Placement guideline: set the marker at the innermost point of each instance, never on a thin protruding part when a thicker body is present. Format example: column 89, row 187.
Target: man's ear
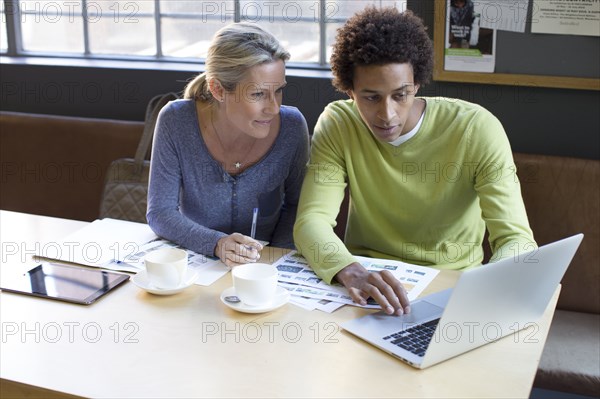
column 350, row 94
column 216, row 89
column 417, row 87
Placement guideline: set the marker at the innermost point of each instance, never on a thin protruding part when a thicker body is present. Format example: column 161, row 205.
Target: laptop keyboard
column 415, row 339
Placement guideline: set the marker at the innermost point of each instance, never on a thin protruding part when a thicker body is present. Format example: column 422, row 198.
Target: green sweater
column 425, row 202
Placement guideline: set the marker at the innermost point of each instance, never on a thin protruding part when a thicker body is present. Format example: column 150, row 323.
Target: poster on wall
column 560, row 17
column 469, row 47
column 503, row 15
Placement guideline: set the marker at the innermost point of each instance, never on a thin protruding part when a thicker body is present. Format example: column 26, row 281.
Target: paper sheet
column 210, row 268
column 469, row 46
column 296, row 276
column 560, row 17
column 121, row 245
column 100, row 244
column 315, row 303
column 503, row 15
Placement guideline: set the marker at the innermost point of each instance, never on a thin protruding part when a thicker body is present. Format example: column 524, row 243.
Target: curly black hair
column 378, row 36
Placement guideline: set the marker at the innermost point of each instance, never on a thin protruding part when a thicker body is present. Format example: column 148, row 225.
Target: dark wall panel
column 118, row 93
column 537, row 120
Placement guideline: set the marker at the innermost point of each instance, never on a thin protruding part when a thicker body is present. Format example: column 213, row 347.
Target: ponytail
column 197, row 89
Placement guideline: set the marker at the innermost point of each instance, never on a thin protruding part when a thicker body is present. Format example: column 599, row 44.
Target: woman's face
column 384, row 96
column 254, row 104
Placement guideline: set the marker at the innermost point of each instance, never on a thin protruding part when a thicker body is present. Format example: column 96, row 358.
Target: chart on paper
column 297, row 276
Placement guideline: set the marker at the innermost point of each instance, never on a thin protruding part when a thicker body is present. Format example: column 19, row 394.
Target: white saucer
column 282, row 296
column 141, row 280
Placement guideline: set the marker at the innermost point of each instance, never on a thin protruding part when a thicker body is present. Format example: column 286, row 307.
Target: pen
column 254, row 217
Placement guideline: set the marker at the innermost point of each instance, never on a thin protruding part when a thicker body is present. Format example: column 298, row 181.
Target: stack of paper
column 311, row 292
column 121, row 245
column 209, row 268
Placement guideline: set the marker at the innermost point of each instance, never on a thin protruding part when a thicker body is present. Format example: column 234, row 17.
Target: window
column 168, row 30
column 3, row 35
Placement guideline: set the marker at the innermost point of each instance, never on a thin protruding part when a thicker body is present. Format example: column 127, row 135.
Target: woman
column 228, row 147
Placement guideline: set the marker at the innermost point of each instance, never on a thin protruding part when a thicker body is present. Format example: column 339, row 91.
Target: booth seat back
column 56, row 165
column 562, row 197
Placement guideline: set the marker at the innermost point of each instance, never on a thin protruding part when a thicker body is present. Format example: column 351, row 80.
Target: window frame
column 13, row 15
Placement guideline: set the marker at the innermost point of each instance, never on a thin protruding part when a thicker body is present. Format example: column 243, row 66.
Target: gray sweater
column 193, row 202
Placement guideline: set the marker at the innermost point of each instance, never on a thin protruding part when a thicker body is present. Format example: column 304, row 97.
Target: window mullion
column 158, row 23
column 237, row 13
column 322, row 33
column 86, row 28
column 14, row 37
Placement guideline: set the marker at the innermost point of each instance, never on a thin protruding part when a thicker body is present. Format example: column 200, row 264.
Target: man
column 425, row 175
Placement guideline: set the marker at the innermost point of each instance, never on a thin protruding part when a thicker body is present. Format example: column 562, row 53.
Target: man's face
column 384, row 96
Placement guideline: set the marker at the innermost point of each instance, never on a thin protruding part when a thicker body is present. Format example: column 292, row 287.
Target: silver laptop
column 487, row 303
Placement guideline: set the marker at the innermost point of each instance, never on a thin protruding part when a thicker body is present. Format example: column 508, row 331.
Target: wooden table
column 134, row 344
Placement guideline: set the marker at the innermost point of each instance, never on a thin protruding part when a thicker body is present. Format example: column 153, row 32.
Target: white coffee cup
column 166, row 267
column 255, row 283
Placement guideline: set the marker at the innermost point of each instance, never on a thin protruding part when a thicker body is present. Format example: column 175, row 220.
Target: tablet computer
column 65, row 283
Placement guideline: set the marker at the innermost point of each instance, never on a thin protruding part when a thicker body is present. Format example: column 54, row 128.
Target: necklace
column 238, row 165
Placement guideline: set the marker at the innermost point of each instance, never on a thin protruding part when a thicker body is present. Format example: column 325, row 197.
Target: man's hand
column 237, row 249
column 382, row 286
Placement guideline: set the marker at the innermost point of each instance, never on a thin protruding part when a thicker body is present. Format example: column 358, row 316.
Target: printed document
column 121, row 245
column 301, row 281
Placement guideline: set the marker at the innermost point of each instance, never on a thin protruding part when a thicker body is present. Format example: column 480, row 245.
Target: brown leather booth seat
column 56, row 165
column 53, row 165
column 562, row 197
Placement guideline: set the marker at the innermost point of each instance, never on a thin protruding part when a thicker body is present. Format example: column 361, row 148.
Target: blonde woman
column 227, row 148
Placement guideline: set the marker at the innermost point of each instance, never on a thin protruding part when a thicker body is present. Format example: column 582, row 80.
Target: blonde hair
column 234, row 49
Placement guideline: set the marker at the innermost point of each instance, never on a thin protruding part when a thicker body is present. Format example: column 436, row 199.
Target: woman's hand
column 237, row 249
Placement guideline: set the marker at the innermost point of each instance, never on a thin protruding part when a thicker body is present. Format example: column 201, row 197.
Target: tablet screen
column 66, row 283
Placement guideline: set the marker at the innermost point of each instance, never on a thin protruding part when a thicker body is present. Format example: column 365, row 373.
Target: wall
column 537, row 120
column 122, row 93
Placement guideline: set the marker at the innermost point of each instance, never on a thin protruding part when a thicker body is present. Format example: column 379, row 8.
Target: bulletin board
column 527, row 59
